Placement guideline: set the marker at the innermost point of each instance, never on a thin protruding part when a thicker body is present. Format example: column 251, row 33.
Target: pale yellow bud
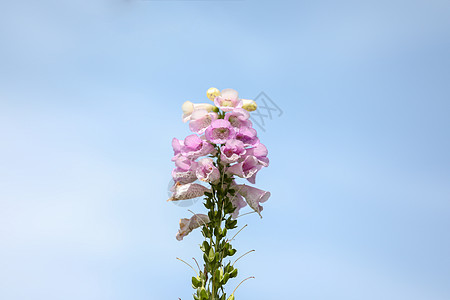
column 187, row 107
column 249, row 105
column 212, row 93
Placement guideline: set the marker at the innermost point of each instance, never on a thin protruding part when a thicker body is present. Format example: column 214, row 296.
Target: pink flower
column 187, row 225
column 220, row 131
column 248, row 136
column 187, row 191
column 185, row 170
column 232, row 151
column 246, row 169
column 195, row 147
column 206, row 171
column 200, row 120
column 228, row 100
column 238, row 118
column 260, row 152
column 253, row 196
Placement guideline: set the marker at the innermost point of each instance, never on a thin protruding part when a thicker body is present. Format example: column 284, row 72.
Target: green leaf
column 202, row 276
column 205, row 246
column 217, row 275
column 211, row 255
column 234, row 273
column 196, row 282
column 225, row 278
column 231, row 252
column 228, row 268
column 203, row 294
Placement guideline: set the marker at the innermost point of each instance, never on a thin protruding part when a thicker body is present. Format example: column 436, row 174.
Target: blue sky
column 90, row 96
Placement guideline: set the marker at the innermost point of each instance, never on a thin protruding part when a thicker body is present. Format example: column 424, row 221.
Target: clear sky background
column 90, row 96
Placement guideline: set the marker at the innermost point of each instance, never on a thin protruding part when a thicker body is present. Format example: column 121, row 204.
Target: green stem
column 218, row 203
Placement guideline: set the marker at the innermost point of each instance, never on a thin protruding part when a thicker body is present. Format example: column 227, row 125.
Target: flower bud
column 187, row 107
column 212, row 93
column 249, row 105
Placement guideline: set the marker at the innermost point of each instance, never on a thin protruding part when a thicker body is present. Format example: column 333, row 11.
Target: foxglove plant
column 222, row 148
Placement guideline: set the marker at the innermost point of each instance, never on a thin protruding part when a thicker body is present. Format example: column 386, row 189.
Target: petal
column 252, row 179
column 199, row 113
column 187, row 225
column 183, row 163
column 200, row 121
column 260, row 150
column 238, row 202
column 187, row 107
column 176, row 145
column 187, row 191
column 249, row 105
column 193, row 142
column 236, row 169
column 253, row 196
column 229, row 94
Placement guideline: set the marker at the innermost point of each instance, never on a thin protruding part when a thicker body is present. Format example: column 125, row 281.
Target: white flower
column 253, row 196
column 187, row 191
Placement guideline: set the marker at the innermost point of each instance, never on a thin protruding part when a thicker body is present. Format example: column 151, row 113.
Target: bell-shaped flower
column 249, row 105
column 187, row 191
column 238, row 118
column 188, row 108
column 238, row 202
column 260, row 152
column 206, row 171
column 253, row 196
column 200, row 120
column 248, row 136
column 246, row 169
column 194, row 147
column 228, row 100
column 185, row 171
column 220, row 131
column 232, row 151
column 187, row 225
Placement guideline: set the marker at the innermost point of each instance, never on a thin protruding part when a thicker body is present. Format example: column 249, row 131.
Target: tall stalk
column 210, row 283
column 224, row 145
